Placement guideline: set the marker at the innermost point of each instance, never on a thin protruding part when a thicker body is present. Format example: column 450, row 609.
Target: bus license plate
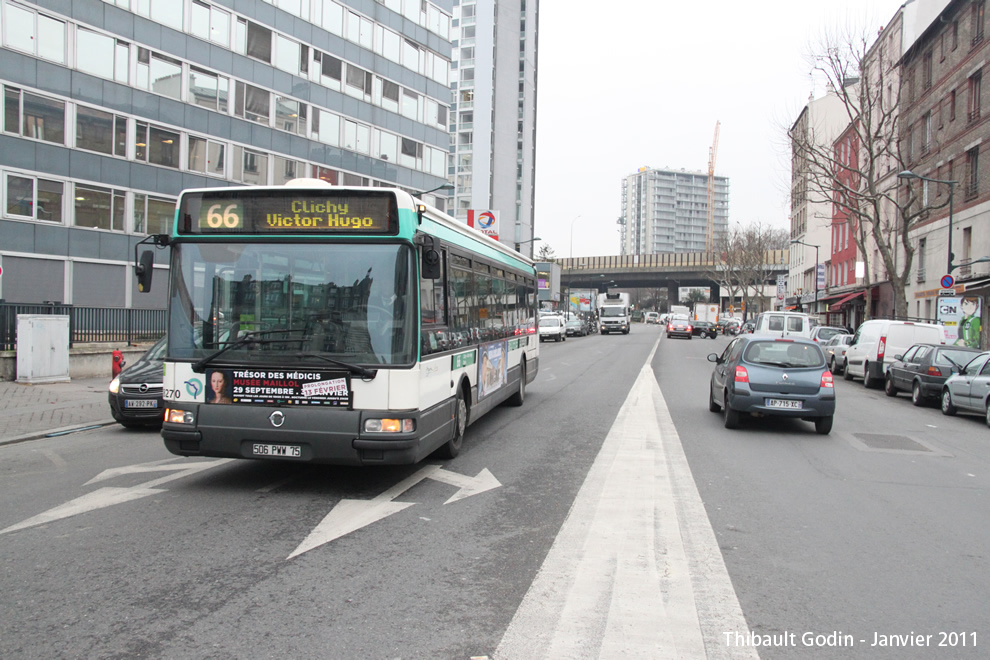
column 783, row 403
column 291, row 451
column 140, row 403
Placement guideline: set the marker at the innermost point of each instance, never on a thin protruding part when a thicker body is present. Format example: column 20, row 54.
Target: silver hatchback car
column 761, row 375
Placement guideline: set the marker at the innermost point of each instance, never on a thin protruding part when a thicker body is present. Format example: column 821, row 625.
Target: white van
column 876, row 342
column 783, row 324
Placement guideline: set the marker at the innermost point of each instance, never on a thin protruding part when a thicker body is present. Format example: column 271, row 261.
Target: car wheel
column 823, row 425
column 730, row 416
column 831, row 365
column 453, row 446
column 519, row 397
column 947, row 407
column 846, row 375
column 712, row 406
column 916, row 396
column 988, row 413
column 868, row 381
column 888, row 386
column 563, row 338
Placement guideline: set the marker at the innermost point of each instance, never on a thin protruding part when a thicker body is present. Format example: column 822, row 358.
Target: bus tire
column 453, row 446
column 519, row 397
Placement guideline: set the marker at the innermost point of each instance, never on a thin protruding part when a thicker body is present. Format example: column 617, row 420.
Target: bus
column 336, row 325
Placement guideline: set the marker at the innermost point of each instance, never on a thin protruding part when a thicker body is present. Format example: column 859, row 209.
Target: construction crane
column 712, row 153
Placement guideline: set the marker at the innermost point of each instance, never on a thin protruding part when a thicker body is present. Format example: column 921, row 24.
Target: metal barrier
column 88, row 324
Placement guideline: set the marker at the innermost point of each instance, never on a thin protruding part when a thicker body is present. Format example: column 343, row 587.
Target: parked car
column 969, row 390
column 136, row 393
column 822, row 333
column 877, row 341
column 552, row 327
column 679, row 326
column 761, row 375
column 835, row 352
column 576, row 328
column 704, row 329
column 923, row 370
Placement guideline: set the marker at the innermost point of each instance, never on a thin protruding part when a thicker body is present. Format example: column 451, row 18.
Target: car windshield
column 828, row 333
column 952, row 357
column 267, row 302
column 613, row 311
column 784, row 354
column 549, row 322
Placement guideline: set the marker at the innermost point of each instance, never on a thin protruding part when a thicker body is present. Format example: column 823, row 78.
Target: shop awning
column 842, row 301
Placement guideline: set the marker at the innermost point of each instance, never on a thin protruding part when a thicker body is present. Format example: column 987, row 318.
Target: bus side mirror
column 144, row 270
column 431, row 264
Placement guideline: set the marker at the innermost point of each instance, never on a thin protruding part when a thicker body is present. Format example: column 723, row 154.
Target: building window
column 973, row 166
column 210, row 23
column 156, row 146
column 326, row 127
column 38, row 199
column 333, row 18
column 259, row 42
column 975, row 85
column 207, row 156
column 159, row 74
column 287, row 56
column 34, row 33
column 101, row 131
column 926, row 70
column 250, row 167
column 410, row 104
column 390, row 96
column 33, row 116
column 102, row 56
column 252, row 103
column 166, row 12
column 979, row 7
column 286, row 170
column 290, row 115
column 952, row 105
column 208, row 90
column 99, row 208
column 926, row 133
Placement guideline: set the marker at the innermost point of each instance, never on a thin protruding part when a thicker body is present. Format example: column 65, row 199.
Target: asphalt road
column 175, row 558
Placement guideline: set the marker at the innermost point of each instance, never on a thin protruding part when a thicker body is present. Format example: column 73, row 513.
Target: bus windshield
column 294, row 301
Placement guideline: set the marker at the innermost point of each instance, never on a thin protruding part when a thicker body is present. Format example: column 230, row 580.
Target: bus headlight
column 179, row 416
column 389, row 425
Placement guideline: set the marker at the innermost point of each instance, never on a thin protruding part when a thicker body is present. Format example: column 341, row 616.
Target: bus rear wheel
column 453, row 446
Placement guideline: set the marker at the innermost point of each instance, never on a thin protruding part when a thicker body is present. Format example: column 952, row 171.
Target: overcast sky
column 639, row 83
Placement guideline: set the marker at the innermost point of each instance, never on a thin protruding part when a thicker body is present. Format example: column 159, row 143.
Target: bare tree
column 728, row 257
column 756, row 245
column 546, row 253
column 864, row 76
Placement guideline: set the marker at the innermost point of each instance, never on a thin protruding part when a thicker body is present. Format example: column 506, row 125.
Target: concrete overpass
column 668, row 270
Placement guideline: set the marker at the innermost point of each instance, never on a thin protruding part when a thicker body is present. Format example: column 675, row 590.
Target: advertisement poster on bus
column 960, row 316
column 491, row 369
column 289, row 387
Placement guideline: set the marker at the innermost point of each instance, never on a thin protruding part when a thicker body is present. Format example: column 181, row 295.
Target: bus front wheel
column 453, row 446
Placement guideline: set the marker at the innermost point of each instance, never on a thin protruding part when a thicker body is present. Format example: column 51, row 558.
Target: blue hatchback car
column 761, row 375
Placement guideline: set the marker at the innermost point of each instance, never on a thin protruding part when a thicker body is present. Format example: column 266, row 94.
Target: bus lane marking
column 351, row 515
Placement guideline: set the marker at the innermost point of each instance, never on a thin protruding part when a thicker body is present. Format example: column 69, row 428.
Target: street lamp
column 446, row 186
column 528, row 240
column 795, row 241
column 908, row 174
column 571, row 252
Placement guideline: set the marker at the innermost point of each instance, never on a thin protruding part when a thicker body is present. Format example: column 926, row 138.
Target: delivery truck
column 613, row 313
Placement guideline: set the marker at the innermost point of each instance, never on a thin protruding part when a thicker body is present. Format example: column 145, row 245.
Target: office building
column 112, row 107
column 666, row 210
column 493, row 113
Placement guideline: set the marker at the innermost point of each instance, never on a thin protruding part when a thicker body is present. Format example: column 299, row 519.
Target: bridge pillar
column 716, row 295
column 672, row 299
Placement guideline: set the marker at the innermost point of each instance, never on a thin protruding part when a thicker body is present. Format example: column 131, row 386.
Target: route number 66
column 228, row 218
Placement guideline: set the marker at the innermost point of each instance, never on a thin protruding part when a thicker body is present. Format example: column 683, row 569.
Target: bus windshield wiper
column 247, row 338
column 364, row 372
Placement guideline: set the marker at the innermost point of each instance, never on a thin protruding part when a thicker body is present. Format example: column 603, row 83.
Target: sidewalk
column 34, row 411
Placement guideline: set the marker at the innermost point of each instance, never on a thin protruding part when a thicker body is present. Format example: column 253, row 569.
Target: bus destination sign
column 286, row 212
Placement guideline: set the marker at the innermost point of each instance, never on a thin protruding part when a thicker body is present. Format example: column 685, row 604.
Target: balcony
column 973, row 115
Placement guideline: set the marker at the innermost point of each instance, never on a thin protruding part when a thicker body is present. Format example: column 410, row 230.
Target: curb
column 65, row 430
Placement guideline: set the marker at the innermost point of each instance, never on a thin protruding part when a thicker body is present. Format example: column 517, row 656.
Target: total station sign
column 485, row 221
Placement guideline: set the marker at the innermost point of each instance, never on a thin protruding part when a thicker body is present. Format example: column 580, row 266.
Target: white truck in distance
column 706, row 312
column 613, row 313
column 680, row 310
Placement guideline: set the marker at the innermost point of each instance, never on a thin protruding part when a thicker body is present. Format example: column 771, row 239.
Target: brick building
column 945, row 134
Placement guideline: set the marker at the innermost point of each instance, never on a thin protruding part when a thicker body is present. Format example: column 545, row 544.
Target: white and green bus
column 341, row 325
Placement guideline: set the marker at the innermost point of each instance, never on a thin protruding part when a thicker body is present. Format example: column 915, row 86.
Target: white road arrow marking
column 351, row 515
column 105, row 497
column 468, row 485
column 155, row 466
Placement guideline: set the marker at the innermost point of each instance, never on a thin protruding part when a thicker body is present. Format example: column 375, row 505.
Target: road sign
column 946, row 292
column 947, row 281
